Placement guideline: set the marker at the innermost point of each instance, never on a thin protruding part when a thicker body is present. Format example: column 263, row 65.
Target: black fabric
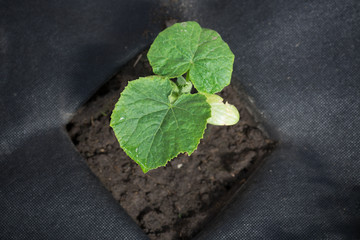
column 47, row 192
column 298, row 60
column 54, row 55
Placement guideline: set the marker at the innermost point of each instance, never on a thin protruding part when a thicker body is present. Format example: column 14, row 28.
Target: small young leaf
column 184, row 85
column 187, row 47
column 151, row 129
column 221, row 114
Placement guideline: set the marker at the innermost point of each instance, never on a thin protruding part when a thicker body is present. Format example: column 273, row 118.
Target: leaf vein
column 152, row 141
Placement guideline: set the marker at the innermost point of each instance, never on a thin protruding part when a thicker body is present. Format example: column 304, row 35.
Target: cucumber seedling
column 158, row 117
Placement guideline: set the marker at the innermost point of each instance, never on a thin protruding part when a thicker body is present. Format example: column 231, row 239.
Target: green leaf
column 150, row 129
column 174, row 48
column 187, row 47
column 223, row 114
column 212, row 64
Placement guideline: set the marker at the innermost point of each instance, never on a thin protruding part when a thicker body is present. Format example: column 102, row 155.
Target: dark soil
column 175, row 201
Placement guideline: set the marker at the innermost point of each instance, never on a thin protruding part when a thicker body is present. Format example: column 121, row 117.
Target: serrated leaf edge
column 127, row 151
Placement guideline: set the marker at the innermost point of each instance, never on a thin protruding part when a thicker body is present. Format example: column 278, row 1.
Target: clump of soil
column 171, row 202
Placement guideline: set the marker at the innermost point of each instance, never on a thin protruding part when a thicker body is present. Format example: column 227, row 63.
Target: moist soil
column 175, row 201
